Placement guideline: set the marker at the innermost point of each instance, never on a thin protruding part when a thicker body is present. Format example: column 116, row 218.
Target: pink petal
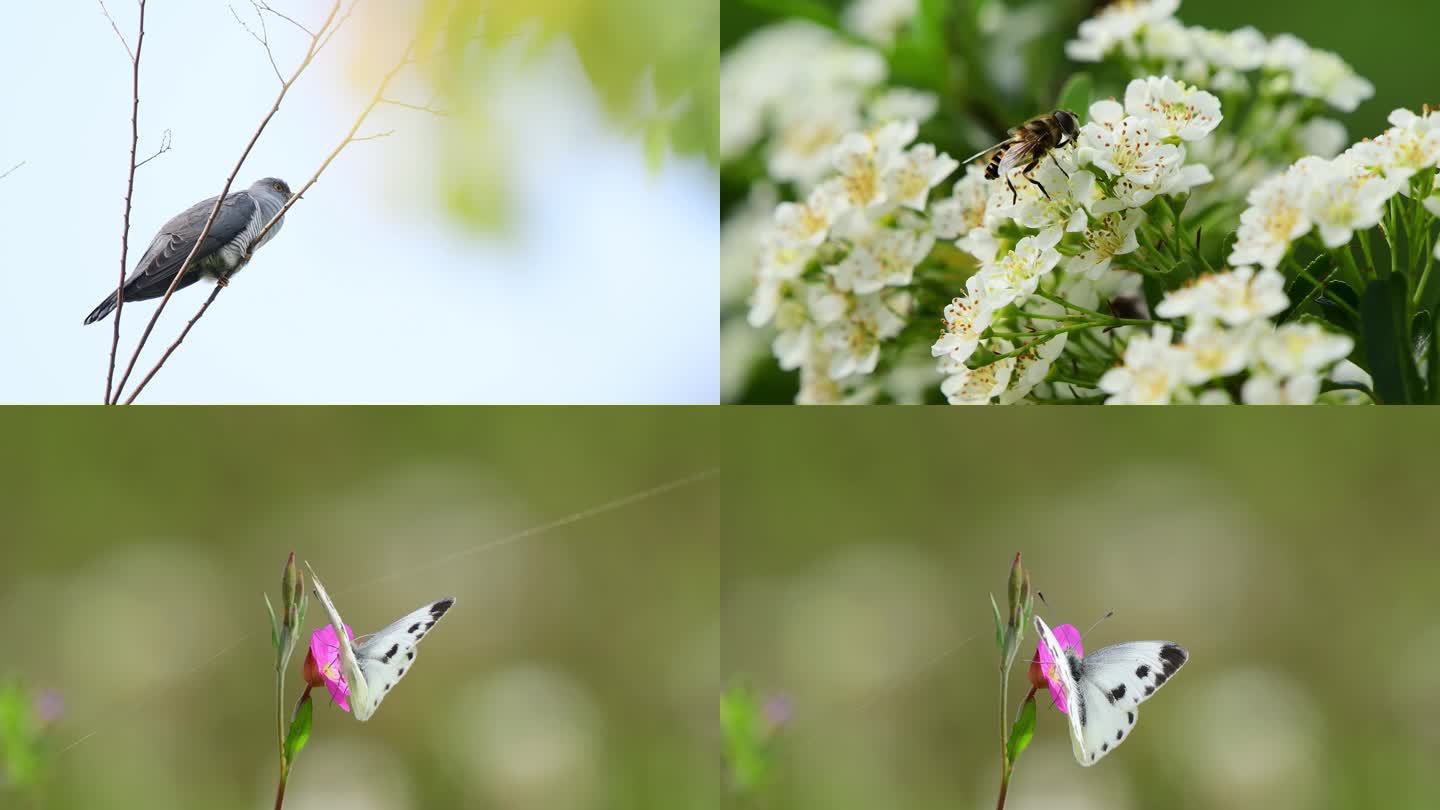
column 325, row 646
column 1069, row 638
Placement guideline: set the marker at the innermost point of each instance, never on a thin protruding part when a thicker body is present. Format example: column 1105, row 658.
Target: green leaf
column 745, row 748
column 999, row 626
column 1023, row 731
column 1387, row 349
column 1432, row 358
column 812, row 10
column 299, row 733
column 274, row 626
column 1075, row 96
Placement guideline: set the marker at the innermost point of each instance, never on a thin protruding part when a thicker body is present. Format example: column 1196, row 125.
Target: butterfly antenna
column 1041, row 594
column 1107, row 615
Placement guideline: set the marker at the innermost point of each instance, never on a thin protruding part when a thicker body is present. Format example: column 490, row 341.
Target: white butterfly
column 1104, row 690
column 374, row 666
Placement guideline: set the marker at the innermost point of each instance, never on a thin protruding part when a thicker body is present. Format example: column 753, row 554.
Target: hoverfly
column 1028, row 144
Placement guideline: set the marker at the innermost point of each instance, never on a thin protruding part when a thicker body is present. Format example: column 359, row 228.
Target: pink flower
column 1069, row 639
column 325, row 653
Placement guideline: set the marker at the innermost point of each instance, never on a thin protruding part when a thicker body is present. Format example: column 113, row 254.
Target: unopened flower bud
column 312, row 671
column 290, row 591
column 1035, row 674
column 1017, row 585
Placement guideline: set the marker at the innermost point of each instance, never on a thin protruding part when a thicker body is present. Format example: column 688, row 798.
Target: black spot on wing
column 1131, row 715
column 1081, row 700
column 401, row 673
column 413, row 627
column 1149, row 690
column 410, row 656
column 1115, row 694
column 1104, row 747
column 1119, row 735
column 438, row 609
column 394, row 648
column 1173, row 657
column 1140, row 671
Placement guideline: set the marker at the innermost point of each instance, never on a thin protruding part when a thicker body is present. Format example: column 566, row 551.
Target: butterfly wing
column 1113, row 682
column 1065, row 671
column 386, row 656
column 349, row 666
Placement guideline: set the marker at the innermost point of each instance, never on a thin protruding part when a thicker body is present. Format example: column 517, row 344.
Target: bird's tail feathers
column 106, row 307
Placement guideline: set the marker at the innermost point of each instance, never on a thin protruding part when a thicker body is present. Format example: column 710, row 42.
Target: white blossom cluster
column 1337, row 197
column 1127, row 155
column 833, row 270
column 1228, row 333
column 1147, row 32
column 796, row 88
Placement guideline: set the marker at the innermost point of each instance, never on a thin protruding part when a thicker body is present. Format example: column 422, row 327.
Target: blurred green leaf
column 919, row 56
column 742, row 725
column 812, row 10
column 1387, row 347
column 1432, row 357
column 1023, row 730
column 20, row 755
column 299, row 733
column 1076, row 95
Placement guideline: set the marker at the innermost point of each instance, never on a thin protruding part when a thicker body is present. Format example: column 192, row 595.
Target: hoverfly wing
column 1000, row 145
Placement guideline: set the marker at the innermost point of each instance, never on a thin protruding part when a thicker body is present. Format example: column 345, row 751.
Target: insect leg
column 1014, row 195
column 1057, row 164
column 1030, row 168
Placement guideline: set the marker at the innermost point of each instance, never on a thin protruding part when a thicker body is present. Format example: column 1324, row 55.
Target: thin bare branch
column 129, row 194
column 116, row 29
column 263, row 37
column 7, row 172
column 165, row 139
column 219, row 200
column 259, row 4
column 260, row 237
column 426, row 108
column 338, row 25
column 375, row 137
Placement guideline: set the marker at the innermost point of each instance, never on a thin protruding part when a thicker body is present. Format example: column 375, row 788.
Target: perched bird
column 231, row 237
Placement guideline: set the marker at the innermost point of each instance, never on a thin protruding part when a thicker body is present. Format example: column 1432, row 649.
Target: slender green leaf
column 1023, row 730
column 274, row 626
column 299, row 733
column 999, row 626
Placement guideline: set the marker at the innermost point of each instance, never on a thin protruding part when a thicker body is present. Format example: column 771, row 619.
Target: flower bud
column 1017, row 585
column 290, row 591
column 312, row 671
column 1035, row 674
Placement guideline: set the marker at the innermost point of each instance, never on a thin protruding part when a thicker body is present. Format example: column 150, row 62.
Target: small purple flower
column 777, row 712
column 49, row 707
column 1069, row 639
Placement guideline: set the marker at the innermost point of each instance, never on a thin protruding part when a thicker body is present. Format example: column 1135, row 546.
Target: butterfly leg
column 1026, row 172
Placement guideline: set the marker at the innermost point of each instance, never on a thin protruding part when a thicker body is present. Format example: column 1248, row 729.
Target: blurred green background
column 1292, row 554
column 1389, row 42
column 576, row 666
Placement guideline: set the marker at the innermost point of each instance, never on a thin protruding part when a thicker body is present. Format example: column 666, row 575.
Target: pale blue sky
column 604, row 291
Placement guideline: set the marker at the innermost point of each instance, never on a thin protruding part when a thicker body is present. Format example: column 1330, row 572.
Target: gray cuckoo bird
column 231, row 237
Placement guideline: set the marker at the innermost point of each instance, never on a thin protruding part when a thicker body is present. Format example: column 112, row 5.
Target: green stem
column 1004, row 737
